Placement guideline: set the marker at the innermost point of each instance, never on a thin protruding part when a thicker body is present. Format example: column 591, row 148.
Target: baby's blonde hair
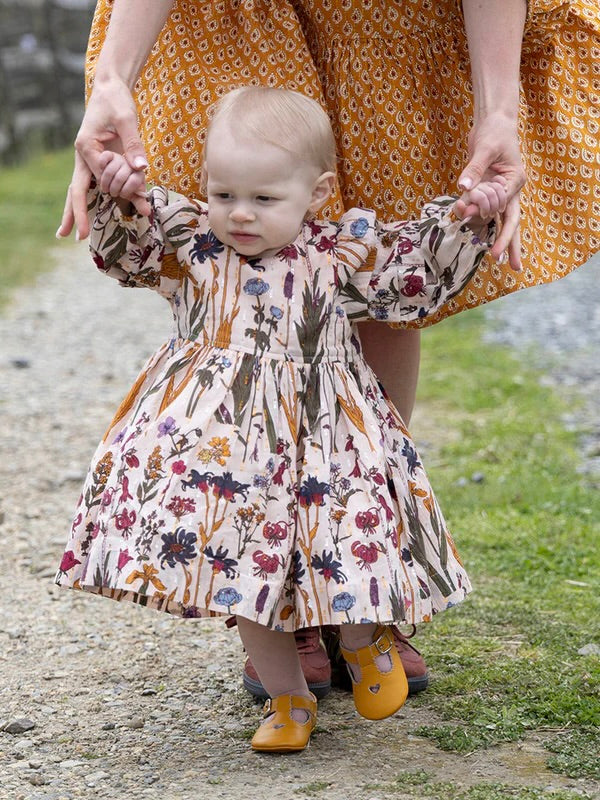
column 281, row 117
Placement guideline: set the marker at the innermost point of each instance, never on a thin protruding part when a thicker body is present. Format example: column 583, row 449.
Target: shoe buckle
column 387, row 640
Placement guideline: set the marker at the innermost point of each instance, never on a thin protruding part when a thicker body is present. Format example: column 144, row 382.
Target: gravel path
column 123, row 702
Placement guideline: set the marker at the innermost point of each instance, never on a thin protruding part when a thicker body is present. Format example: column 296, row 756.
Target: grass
column 418, row 784
column 32, row 197
column 506, row 662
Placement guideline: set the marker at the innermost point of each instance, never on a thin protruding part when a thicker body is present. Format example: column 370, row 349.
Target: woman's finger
column 510, row 227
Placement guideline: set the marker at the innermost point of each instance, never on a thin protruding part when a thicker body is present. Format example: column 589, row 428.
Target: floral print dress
column 256, row 467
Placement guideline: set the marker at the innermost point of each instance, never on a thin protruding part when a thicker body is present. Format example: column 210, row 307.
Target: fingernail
column 140, row 163
column 503, row 258
column 58, row 234
column 465, row 183
column 77, row 236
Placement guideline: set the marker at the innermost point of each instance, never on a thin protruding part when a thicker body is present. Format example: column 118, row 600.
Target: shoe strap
column 383, row 642
column 286, row 702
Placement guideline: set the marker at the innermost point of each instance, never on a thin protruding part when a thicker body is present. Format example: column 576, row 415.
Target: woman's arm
column 110, row 120
column 494, row 31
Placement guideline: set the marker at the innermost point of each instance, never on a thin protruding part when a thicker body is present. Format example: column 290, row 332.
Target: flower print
column 277, row 313
column 326, row 244
column 99, row 262
column 288, row 253
column 180, row 506
column 367, row 521
column 220, row 562
column 413, row 285
column 227, row 597
column 312, row 492
column 338, row 515
column 225, row 486
column 389, row 514
column 404, row 245
column 123, row 560
column 380, row 313
column 314, row 227
column 125, row 520
column 125, row 493
column 191, row 612
column 131, row 459
column 328, row 567
column 275, row 533
column 107, row 496
column 146, row 575
column 198, row 480
column 410, row 454
column 103, row 469
column 154, row 464
column 359, row 227
column 297, row 570
column 265, row 564
column 68, row 561
column 256, row 286
column 365, row 554
column 261, row 597
column 120, row 436
column 260, row 481
column 339, row 311
column 178, row 547
column 178, row 467
column 218, row 450
column 343, row 601
column 407, row 556
column 374, row 592
column 167, row 426
column 288, row 285
column 206, row 245
column 225, row 362
column 278, row 476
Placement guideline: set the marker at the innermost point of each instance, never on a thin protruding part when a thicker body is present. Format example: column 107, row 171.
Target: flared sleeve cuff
column 421, row 265
column 133, row 249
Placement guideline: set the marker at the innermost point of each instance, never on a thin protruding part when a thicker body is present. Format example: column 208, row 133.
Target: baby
column 256, row 467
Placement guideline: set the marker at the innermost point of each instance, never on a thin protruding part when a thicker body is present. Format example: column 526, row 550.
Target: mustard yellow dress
column 394, row 77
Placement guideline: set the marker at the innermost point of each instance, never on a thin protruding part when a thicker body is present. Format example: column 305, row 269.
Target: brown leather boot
column 412, row 660
column 314, row 661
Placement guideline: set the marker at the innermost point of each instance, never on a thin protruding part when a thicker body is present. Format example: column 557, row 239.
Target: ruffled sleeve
column 413, row 268
column 142, row 251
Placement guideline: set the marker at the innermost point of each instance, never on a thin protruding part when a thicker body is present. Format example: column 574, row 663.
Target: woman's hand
column 109, row 124
column 494, row 150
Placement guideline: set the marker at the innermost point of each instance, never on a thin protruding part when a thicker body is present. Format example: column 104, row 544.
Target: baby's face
column 258, row 194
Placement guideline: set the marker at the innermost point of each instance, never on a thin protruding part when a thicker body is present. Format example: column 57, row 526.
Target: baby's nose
column 241, row 213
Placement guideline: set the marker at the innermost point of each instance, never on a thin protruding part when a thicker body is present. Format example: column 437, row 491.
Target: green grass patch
column 419, row 785
column 506, row 661
column 32, row 197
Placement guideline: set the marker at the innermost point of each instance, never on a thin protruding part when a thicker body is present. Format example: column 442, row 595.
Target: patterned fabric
column 394, row 77
column 256, row 465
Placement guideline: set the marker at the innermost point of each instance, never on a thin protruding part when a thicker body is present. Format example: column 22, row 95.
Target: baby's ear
column 322, row 191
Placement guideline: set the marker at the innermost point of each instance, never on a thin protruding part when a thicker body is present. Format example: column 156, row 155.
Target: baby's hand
column 480, row 204
column 119, row 180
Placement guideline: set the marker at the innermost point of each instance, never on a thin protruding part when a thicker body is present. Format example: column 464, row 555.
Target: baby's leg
column 276, row 661
column 354, row 637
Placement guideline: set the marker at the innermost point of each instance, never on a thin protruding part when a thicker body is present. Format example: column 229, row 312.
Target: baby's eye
column 222, row 195
column 265, row 198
